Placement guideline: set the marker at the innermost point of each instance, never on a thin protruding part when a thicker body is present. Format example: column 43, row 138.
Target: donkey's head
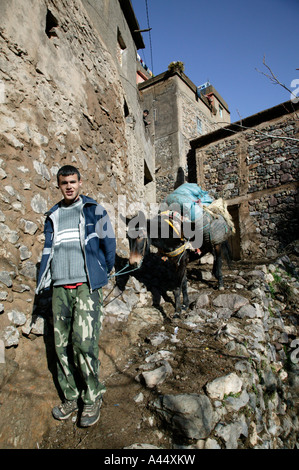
column 137, row 235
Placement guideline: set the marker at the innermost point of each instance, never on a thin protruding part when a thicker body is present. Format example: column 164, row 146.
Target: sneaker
column 65, row 409
column 91, row 413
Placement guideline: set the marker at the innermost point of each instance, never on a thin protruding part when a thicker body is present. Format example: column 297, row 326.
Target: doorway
column 234, row 240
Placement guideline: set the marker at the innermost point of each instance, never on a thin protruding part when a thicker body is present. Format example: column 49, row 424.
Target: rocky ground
column 222, row 375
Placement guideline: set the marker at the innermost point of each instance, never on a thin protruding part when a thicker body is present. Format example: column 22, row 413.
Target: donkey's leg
column 177, row 299
column 185, row 292
column 184, row 283
column 182, row 288
column 181, row 284
column 217, row 267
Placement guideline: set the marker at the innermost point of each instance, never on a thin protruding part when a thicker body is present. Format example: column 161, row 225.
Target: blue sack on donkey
column 190, row 198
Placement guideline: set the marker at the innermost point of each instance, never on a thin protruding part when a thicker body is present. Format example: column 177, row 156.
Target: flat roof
column 165, row 75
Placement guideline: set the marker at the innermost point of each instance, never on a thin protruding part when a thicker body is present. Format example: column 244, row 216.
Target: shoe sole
column 93, row 422
column 62, row 418
column 90, row 424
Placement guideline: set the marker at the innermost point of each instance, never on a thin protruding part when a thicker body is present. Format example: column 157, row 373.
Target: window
column 147, row 175
column 199, row 125
column 51, row 25
column 126, row 109
column 220, row 111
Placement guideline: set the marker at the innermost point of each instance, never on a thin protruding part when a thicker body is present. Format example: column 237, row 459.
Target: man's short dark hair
column 68, row 170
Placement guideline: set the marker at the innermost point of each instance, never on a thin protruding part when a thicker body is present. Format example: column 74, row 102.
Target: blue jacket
column 97, row 241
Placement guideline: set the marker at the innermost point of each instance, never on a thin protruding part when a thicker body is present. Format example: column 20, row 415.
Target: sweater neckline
column 75, row 204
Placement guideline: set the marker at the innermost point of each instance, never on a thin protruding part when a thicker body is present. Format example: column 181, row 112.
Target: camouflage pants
column 77, row 317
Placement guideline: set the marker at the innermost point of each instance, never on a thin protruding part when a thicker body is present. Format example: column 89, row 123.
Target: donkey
column 167, row 232
column 162, row 233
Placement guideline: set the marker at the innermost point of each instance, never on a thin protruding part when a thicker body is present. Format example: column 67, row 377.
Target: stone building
column 178, row 112
column 117, row 25
column 68, row 94
column 253, row 164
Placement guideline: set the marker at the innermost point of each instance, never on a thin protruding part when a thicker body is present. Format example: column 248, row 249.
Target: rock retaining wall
column 255, row 405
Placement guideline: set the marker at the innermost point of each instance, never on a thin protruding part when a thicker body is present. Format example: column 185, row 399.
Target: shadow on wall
column 287, row 227
column 180, row 178
column 191, row 162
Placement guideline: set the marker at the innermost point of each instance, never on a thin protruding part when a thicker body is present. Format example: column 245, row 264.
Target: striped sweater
column 67, row 266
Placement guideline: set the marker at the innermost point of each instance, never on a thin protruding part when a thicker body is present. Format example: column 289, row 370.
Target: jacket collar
column 85, row 199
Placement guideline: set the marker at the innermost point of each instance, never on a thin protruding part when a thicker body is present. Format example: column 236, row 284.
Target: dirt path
column 29, row 395
column 198, row 358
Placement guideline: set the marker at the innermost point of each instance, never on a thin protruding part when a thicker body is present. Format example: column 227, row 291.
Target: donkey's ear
column 141, row 216
column 126, row 220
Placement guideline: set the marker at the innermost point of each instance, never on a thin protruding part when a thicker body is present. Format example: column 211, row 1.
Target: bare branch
column 273, row 78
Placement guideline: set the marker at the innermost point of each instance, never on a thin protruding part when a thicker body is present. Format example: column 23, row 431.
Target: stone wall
column 276, row 220
column 177, row 115
column 219, row 168
column 254, row 166
column 172, row 148
column 273, row 161
column 62, row 102
column 165, row 179
column 190, row 111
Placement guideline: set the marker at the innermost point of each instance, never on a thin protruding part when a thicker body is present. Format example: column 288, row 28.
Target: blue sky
column 225, row 42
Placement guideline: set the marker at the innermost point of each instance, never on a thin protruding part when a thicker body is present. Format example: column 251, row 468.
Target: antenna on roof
column 142, row 30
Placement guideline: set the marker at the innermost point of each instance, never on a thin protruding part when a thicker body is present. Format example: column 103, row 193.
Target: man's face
column 70, row 187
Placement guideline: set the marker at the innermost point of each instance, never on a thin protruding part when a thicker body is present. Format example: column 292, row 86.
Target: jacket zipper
column 82, row 241
column 54, row 234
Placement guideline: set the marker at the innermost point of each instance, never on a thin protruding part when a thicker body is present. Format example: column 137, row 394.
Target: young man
column 78, row 254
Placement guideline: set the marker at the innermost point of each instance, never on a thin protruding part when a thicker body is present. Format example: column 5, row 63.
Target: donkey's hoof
column 221, row 288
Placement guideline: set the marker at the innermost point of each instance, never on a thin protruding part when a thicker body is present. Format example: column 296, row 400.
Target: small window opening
column 199, row 125
column 126, row 109
column 147, row 174
column 51, row 25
